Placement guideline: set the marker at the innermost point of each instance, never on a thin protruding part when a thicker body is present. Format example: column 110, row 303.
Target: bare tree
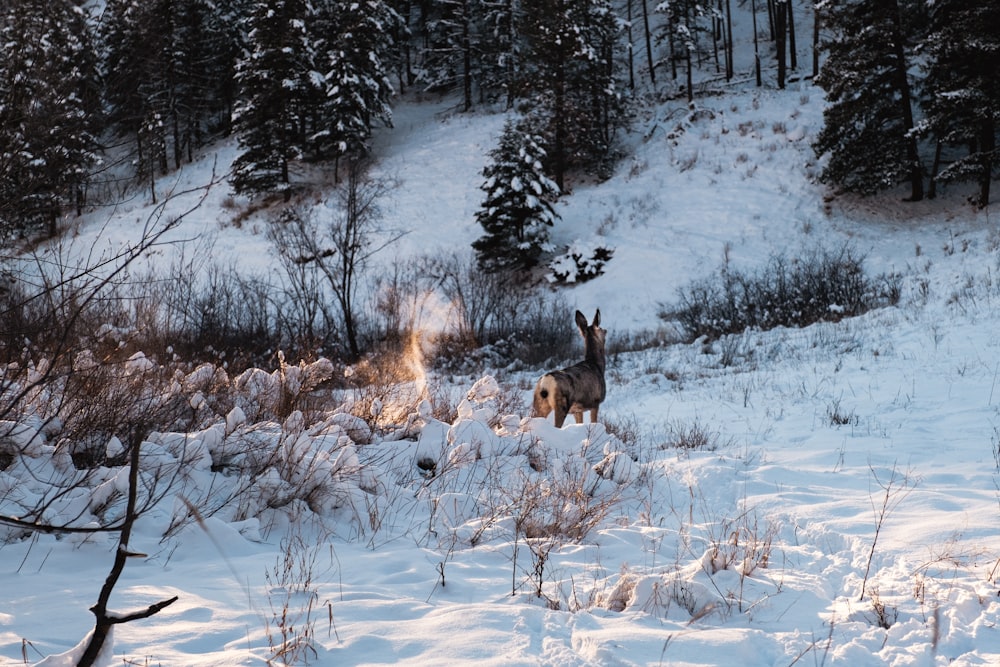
column 339, row 248
column 61, row 386
column 104, row 620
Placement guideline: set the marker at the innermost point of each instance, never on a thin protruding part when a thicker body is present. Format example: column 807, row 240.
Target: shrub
column 580, row 263
column 823, row 286
column 499, row 320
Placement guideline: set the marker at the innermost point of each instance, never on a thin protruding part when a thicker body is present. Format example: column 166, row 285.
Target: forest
column 98, row 98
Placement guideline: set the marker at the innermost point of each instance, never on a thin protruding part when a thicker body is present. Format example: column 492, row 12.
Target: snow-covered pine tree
column 501, row 49
column 452, row 55
column 963, row 88
column 125, row 50
column 358, row 52
column 203, row 59
column 568, row 76
column 230, row 15
column 686, row 22
column 868, row 122
column 517, row 210
column 168, row 72
column 48, row 105
column 281, row 95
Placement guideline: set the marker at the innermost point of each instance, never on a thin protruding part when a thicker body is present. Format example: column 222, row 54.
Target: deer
column 578, row 387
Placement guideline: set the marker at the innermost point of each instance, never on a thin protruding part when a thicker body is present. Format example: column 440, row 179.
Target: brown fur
column 578, row 387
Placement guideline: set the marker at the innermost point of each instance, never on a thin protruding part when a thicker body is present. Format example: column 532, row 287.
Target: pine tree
column 517, row 210
column 231, row 47
column 47, row 106
column 501, row 49
column 169, row 76
column 686, row 22
column 201, row 59
column 452, row 57
column 963, row 88
column 136, row 39
column 281, row 95
column 569, row 75
column 868, row 122
column 358, row 51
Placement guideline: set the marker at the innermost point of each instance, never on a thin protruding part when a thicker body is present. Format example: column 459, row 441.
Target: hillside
column 815, row 496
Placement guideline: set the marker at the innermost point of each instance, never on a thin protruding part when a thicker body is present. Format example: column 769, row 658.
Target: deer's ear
column 581, row 321
column 597, row 318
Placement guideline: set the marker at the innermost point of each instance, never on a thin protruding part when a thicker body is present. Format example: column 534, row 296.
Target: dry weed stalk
column 293, row 597
column 895, row 489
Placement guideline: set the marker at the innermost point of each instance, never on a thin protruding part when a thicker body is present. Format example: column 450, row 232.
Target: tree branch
column 136, row 615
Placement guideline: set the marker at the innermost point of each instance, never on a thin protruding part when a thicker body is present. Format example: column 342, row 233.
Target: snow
column 750, row 551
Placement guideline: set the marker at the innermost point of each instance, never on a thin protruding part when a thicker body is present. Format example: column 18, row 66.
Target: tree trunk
column 792, row 59
column 729, row 41
column 932, row 184
column 815, row 42
column 631, row 50
column 178, row 142
column 559, row 135
column 104, row 621
column 717, row 34
column 903, row 86
column 649, row 42
column 756, row 45
column 690, row 82
column 987, row 148
column 466, row 56
column 779, row 42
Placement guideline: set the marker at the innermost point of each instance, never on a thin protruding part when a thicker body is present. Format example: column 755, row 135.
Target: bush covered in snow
column 823, row 285
column 581, row 262
column 249, row 452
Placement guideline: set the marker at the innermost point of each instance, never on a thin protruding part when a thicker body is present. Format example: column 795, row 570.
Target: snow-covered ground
column 842, row 512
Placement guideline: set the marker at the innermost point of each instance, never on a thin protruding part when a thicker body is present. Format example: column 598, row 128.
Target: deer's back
column 582, row 383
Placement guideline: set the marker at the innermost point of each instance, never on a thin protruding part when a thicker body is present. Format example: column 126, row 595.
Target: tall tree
column 358, row 52
column 168, row 72
column 48, row 81
column 963, row 88
column 569, row 75
column 686, row 21
column 517, row 210
column 868, row 122
column 452, row 57
column 780, row 31
column 281, row 90
column 502, row 49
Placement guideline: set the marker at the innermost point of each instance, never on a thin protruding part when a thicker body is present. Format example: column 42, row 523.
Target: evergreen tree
column 201, row 61
column 963, row 88
column 517, row 210
column 452, row 57
column 169, row 75
column 47, row 106
column 405, row 40
column 281, row 94
column 686, row 22
column 169, row 66
column 501, row 48
column 569, row 74
column 358, row 51
column 868, row 122
column 132, row 43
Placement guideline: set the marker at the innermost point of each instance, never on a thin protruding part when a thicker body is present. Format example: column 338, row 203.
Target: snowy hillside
column 817, row 496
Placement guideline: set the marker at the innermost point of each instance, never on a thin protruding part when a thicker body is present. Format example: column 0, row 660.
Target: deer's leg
column 561, row 406
column 579, row 416
column 593, row 415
